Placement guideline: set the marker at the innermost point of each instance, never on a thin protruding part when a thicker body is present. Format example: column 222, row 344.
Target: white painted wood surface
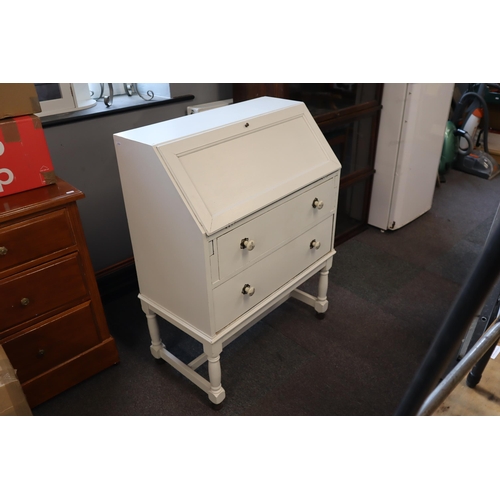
column 195, row 188
column 269, row 274
column 274, row 228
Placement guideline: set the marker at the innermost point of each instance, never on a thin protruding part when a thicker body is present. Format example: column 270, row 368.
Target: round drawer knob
column 248, row 244
column 318, row 204
column 315, row 244
column 41, row 353
column 25, row 301
column 3, row 250
column 248, row 290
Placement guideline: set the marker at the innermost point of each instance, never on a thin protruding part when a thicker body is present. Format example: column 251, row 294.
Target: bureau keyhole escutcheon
column 248, row 290
column 247, row 243
column 317, row 204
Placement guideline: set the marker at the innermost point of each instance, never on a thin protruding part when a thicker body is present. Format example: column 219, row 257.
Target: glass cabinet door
column 335, row 99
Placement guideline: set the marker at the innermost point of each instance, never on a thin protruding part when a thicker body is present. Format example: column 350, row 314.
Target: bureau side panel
column 169, row 247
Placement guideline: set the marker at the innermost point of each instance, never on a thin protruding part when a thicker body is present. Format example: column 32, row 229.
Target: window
column 56, row 98
column 147, row 91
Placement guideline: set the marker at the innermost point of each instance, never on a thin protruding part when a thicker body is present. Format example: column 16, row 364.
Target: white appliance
column 410, row 141
column 198, row 108
column 229, row 211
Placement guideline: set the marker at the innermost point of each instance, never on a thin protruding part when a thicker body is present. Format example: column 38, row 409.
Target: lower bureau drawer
column 45, row 346
column 269, row 274
column 40, row 290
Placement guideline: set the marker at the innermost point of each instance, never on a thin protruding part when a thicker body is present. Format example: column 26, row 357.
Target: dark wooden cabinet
column 348, row 115
column 52, row 324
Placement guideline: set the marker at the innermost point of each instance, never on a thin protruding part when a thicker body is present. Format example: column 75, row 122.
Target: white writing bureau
column 229, row 211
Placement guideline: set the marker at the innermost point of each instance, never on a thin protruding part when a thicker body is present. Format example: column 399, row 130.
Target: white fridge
column 410, row 140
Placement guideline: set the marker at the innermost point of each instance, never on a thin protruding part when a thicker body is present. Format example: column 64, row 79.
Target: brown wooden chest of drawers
column 52, row 324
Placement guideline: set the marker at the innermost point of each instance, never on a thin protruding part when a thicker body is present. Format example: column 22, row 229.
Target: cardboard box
column 12, row 399
column 493, row 140
column 494, row 145
column 17, row 99
column 494, row 116
column 25, row 161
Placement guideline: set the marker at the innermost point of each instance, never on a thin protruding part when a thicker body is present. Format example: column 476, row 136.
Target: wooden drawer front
column 40, row 290
column 267, row 275
column 34, row 238
column 273, row 228
column 43, row 347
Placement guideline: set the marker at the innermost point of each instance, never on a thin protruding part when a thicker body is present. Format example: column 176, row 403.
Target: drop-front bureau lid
column 230, row 162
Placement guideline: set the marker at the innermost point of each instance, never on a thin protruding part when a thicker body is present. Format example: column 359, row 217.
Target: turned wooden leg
column 154, row 332
column 216, row 393
column 321, row 303
column 214, row 373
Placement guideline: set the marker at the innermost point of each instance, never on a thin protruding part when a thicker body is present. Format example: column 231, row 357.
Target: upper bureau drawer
column 275, row 227
column 42, row 289
column 34, row 238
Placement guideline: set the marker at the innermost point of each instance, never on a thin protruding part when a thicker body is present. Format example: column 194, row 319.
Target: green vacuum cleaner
column 460, row 147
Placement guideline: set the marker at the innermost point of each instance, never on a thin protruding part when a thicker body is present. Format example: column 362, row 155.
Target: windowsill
column 121, row 104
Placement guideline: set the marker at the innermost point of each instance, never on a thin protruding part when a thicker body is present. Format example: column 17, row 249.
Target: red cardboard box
column 25, row 161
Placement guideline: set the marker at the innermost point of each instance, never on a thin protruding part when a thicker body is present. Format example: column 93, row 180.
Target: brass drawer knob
column 41, row 353
column 248, row 290
column 3, row 250
column 25, row 301
column 317, row 204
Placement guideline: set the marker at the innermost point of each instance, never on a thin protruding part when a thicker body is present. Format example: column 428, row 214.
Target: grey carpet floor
column 389, row 293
